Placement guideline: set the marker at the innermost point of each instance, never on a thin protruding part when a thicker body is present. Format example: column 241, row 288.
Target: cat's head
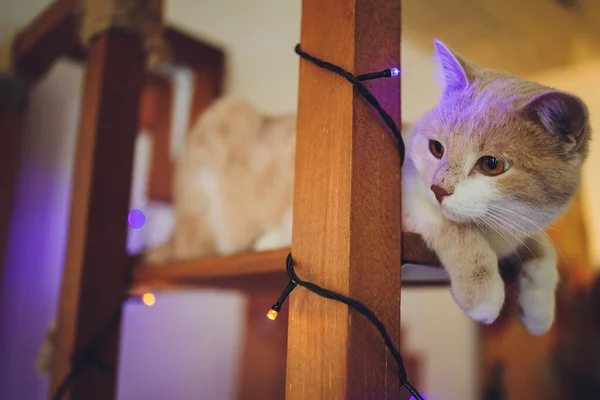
column 499, row 148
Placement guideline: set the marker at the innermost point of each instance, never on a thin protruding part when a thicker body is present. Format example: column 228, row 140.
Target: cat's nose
column 440, row 193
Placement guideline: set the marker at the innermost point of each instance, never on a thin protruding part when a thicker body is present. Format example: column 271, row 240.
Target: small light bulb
column 394, row 71
column 148, row 299
column 272, row 314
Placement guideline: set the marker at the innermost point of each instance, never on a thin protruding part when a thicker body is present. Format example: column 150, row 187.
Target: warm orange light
column 272, row 314
column 148, row 299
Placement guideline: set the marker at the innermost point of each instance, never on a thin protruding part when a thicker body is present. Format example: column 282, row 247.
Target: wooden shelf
column 253, row 271
column 245, row 271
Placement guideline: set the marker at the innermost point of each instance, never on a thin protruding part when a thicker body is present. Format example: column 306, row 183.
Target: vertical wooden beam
column 13, row 95
column 94, row 279
column 347, row 228
column 208, row 86
column 156, row 113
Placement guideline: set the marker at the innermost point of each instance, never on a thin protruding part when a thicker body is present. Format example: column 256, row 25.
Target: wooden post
column 13, row 95
column 156, row 113
column 95, row 272
column 347, row 228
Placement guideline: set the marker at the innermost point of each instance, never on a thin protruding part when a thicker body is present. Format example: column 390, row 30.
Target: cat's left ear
column 561, row 114
column 456, row 71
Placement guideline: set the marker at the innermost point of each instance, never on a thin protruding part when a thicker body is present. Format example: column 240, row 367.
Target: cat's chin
column 458, row 218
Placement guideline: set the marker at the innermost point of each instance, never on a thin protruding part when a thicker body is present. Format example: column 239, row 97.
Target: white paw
column 536, row 310
column 483, row 300
column 537, row 289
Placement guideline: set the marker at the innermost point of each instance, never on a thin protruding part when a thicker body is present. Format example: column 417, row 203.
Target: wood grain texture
column 222, row 271
column 95, row 273
column 346, row 234
column 53, row 34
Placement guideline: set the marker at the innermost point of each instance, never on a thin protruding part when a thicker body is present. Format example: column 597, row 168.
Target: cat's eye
column 436, row 148
column 493, row 166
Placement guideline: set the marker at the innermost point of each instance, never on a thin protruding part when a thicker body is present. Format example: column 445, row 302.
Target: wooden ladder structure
column 347, row 215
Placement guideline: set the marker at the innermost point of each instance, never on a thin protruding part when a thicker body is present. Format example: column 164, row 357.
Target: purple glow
column 394, row 71
column 413, row 397
column 136, row 218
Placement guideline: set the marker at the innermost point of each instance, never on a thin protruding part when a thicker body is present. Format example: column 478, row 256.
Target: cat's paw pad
column 536, row 310
column 482, row 301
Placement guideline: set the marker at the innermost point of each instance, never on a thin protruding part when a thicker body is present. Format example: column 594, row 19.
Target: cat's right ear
column 561, row 114
column 456, row 72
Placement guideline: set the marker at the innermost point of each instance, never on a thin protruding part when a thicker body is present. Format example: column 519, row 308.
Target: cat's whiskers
column 506, row 210
column 490, row 223
column 540, row 229
column 535, row 224
column 502, row 224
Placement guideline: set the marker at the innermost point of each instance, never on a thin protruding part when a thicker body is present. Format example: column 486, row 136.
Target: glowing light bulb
column 394, row 71
column 272, row 314
column 148, row 299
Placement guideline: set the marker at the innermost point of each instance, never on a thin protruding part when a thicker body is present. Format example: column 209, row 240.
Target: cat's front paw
column 480, row 294
column 537, row 285
column 536, row 312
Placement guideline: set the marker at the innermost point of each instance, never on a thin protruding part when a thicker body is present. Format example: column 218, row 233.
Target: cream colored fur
column 233, row 185
column 543, row 135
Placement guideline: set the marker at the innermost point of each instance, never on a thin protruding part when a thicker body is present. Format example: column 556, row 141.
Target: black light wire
column 329, row 294
column 356, row 81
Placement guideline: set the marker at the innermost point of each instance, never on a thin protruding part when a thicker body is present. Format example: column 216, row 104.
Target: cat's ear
column 456, row 72
column 561, row 114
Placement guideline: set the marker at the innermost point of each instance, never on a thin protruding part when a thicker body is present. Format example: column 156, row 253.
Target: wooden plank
column 207, row 62
column 94, row 279
column 233, row 271
column 189, row 51
column 53, row 34
column 213, row 269
column 208, row 86
column 415, row 251
column 346, row 230
column 264, row 356
column 12, row 119
column 157, row 111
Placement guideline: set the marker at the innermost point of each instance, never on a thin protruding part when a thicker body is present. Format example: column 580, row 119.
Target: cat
column 496, row 161
column 233, row 184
